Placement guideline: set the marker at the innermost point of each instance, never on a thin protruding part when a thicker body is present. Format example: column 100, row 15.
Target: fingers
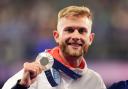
column 26, row 81
column 33, row 68
column 31, row 71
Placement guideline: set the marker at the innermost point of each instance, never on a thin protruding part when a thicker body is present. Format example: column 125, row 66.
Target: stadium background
column 26, row 29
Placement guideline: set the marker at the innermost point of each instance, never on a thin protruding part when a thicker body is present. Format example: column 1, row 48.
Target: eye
column 82, row 30
column 69, row 29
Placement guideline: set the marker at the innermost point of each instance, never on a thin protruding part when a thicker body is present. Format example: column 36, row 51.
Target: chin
column 74, row 52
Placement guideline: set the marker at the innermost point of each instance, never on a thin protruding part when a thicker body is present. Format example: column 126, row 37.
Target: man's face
column 74, row 35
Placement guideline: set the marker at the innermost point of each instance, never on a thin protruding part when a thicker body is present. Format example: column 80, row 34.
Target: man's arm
column 13, row 80
column 27, row 76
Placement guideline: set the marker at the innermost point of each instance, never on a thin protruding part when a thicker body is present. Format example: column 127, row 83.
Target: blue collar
column 60, row 67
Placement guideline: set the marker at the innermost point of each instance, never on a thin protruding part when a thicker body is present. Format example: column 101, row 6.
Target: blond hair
column 75, row 11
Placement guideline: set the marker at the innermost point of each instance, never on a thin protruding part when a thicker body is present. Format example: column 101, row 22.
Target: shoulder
column 119, row 85
column 94, row 78
column 92, row 73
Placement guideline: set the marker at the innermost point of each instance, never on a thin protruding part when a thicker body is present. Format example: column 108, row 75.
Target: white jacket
column 89, row 80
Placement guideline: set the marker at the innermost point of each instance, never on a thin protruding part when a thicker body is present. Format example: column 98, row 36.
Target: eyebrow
column 76, row 27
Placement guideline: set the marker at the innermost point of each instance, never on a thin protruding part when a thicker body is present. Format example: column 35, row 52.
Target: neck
column 71, row 60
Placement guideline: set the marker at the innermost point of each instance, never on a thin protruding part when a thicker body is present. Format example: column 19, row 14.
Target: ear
column 56, row 36
column 91, row 38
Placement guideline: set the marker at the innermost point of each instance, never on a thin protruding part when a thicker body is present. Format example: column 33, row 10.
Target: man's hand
column 31, row 71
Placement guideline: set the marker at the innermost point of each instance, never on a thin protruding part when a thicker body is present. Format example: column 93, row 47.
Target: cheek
column 86, row 40
column 62, row 39
column 65, row 36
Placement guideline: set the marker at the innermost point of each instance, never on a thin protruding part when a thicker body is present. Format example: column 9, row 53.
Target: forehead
column 74, row 21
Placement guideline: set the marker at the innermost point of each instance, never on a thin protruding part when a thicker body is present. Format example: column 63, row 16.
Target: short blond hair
column 75, row 11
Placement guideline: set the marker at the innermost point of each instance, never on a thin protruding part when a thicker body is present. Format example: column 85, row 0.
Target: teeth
column 77, row 44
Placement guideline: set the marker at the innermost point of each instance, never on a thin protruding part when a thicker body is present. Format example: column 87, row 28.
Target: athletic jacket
column 89, row 79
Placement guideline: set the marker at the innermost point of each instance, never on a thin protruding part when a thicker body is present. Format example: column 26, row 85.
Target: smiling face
column 74, row 35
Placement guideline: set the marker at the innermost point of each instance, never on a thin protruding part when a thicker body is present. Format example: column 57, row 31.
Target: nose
column 76, row 35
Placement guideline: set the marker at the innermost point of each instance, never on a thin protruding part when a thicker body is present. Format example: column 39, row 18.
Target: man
column 69, row 71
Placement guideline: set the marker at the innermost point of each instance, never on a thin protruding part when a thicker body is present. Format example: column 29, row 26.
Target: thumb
column 26, row 81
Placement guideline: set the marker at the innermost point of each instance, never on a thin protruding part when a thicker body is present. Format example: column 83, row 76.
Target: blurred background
column 26, row 29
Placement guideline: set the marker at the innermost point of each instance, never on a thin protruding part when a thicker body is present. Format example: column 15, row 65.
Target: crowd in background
column 26, row 29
